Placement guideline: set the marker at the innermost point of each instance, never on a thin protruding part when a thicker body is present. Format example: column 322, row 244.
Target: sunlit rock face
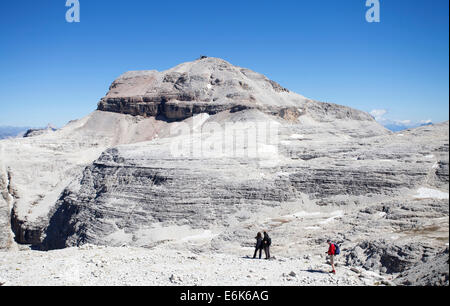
column 153, row 165
column 208, row 85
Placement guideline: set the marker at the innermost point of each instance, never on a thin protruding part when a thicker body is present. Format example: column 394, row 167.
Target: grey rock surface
column 37, row 132
column 209, row 85
column 433, row 272
column 35, row 170
column 387, row 257
column 125, row 176
column 130, row 188
column 5, row 209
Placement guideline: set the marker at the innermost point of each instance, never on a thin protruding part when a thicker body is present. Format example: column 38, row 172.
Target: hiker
column 266, row 244
column 259, row 245
column 331, row 252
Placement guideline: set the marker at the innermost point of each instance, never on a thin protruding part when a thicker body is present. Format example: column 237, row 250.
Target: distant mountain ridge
column 23, row 131
column 12, row 131
column 397, row 127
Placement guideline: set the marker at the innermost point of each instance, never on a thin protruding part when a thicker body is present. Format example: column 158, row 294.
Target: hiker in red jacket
column 331, row 252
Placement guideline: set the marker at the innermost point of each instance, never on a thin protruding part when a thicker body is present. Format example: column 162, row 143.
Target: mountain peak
column 207, row 84
column 211, row 85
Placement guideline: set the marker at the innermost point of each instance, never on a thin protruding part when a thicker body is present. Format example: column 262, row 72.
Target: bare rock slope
column 209, row 85
column 153, row 166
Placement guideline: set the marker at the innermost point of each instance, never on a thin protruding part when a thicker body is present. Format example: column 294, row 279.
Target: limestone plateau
column 110, row 181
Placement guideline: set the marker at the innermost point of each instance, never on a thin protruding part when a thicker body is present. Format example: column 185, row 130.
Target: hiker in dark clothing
column 259, row 245
column 266, row 244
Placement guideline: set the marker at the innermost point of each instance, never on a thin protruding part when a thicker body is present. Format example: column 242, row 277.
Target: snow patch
column 297, row 136
column 335, row 214
column 199, row 120
column 204, row 235
column 312, row 228
column 428, row 193
column 305, row 214
column 281, row 173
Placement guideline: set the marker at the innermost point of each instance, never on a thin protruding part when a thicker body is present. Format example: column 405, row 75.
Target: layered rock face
column 209, row 85
column 156, row 164
column 5, row 209
column 35, row 170
column 134, row 189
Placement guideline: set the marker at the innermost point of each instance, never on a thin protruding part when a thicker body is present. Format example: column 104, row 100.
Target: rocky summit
column 202, row 156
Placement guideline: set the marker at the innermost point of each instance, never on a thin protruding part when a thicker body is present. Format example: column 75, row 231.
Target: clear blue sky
column 54, row 71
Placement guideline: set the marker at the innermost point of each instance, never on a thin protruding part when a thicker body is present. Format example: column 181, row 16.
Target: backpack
column 269, row 241
column 337, row 250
